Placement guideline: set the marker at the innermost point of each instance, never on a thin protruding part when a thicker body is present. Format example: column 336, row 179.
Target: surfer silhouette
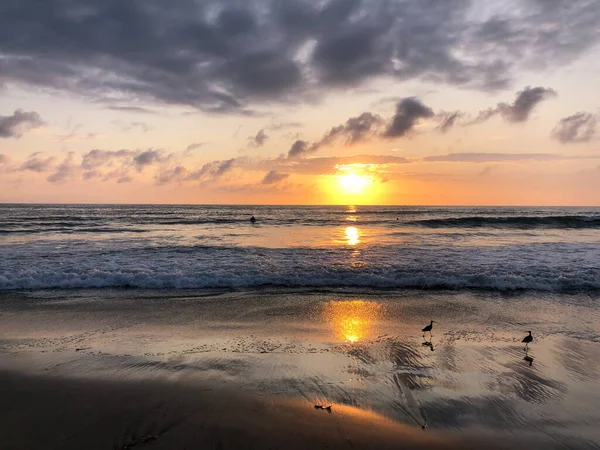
column 252, row 219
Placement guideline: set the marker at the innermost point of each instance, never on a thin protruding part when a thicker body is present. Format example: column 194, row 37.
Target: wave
column 325, row 279
column 520, row 222
column 71, row 230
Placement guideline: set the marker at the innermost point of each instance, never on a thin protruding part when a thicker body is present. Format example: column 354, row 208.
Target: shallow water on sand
column 363, row 349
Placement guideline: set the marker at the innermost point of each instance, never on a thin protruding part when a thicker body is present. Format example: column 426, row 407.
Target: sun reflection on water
column 354, row 320
column 352, row 235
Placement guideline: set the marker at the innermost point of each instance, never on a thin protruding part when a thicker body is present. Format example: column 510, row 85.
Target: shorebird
column 527, row 339
column 428, row 328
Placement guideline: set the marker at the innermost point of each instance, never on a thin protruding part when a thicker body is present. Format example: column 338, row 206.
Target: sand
column 47, row 412
column 116, row 369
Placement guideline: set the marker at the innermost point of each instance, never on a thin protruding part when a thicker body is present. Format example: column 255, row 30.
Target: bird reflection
column 428, row 343
column 528, row 358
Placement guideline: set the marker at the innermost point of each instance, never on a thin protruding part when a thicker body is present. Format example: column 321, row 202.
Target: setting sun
column 354, row 183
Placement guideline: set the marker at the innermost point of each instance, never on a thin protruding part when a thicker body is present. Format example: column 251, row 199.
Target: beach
column 222, row 368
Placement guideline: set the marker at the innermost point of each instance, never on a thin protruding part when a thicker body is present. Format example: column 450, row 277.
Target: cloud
column 132, row 109
column 213, row 169
column 64, row 170
column 37, row 164
column 448, row 120
column 577, row 128
column 526, row 100
column 300, row 148
column 128, row 126
column 148, row 158
column 4, row 159
column 494, row 157
column 19, row 122
column 194, row 146
column 224, row 167
column 258, row 140
column 354, row 130
column 223, row 57
column 121, row 175
column 327, row 165
column 284, row 125
column 174, row 174
column 408, row 113
column 97, row 158
column 273, row 177
column 520, row 110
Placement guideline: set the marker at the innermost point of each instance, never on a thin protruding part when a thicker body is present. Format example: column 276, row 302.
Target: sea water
column 185, row 246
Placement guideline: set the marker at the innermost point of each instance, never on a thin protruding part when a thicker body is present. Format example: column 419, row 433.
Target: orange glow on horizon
column 354, row 184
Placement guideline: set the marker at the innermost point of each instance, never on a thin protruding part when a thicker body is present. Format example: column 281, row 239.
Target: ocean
column 117, row 315
column 380, row 247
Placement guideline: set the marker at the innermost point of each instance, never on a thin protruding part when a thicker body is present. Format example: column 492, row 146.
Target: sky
column 428, row 102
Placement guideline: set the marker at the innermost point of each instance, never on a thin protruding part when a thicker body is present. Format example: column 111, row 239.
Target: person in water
column 252, row 219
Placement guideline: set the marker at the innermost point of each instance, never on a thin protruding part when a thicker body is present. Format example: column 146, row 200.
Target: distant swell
column 521, row 222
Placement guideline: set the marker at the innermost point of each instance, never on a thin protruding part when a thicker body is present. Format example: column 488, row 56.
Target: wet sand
column 185, row 369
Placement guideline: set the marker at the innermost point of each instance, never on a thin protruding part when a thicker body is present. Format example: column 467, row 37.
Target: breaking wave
column 521, row 222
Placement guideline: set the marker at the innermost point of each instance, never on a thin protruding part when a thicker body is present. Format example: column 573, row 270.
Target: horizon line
column 300, row 205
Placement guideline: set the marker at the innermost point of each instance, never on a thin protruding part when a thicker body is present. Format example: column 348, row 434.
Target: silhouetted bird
column 527, row 339
column 428, row 328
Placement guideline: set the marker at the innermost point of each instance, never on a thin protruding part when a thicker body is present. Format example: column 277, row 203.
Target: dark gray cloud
column 273, row 177
column 213, row 169
column 19, row 122
column 520, row 110
column 526, row 100
column 299, row 149
column 148, row 158
column 37, row 164
column 408, row 113
column 448, row 120
column 224, row 56
column 578, row 128
column 258, row 140
column 354, row 130
column 224, row 167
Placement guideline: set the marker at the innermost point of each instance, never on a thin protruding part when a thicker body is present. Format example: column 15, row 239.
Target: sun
column 353, row 183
